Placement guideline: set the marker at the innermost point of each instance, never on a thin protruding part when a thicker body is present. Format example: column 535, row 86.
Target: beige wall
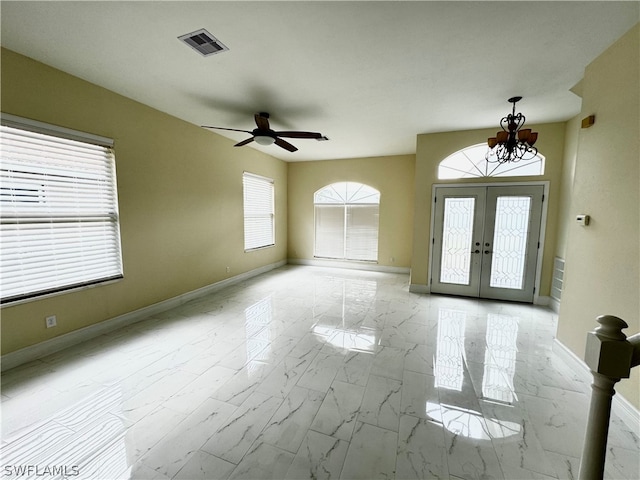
column 602, row 271
column 392, row 176
column 565, row 220
column 180, row 198
column 180, row 194
column 435, row 147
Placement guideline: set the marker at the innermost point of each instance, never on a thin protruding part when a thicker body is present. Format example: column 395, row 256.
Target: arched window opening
column 470, row 162
column 346, row 222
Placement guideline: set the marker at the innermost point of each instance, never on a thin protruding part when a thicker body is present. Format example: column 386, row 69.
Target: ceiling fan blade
column 285, row 145
column 299, row 134
column 244, row 142
column 230, row 129
column 262, row 120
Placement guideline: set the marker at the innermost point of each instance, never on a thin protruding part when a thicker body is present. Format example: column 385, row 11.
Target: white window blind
column 330, row 228
column 259, row 217
column 58, row 210
column 346, row 222
column 362, row 232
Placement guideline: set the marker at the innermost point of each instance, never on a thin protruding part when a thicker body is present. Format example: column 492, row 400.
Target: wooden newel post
column 608, row 355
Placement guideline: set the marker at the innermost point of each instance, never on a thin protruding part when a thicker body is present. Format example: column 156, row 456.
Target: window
column 59, row 224
column 346, row 222
column 259, row 217
column 470, row 162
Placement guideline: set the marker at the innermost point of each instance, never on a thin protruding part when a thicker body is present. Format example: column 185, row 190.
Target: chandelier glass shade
column 513, row 143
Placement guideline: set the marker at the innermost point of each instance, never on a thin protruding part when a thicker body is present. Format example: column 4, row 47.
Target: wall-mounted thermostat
column 582, row 219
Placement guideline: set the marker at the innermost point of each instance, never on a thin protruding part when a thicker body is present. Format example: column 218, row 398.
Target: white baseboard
column 353, row 265
column 42, row 349
column 419, row 288
column 629, row 414
column 554, row 304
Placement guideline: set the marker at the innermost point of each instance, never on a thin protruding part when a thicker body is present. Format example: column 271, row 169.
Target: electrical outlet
column 51, row 321
column 228, row 269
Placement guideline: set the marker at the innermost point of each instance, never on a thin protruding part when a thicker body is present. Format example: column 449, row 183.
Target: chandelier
column 513, row 143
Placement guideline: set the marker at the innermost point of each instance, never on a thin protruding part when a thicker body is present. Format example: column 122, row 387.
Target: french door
column 486, row 241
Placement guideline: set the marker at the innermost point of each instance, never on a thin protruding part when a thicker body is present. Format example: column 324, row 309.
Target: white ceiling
column 369, row 75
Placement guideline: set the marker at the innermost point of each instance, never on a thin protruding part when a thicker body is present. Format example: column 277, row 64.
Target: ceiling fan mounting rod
column 262, row 132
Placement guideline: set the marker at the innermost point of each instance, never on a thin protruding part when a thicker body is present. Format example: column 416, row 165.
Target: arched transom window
column 470, row 162
column 346, row 221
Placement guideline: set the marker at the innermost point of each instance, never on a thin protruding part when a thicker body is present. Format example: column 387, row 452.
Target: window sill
column 247, row 250
column 36, row 298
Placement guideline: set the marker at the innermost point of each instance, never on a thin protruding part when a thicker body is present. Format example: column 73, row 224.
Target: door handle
column 487, row 251
column 475, row 251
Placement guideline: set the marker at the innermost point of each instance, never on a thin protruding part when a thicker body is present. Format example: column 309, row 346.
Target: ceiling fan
column 264, row 135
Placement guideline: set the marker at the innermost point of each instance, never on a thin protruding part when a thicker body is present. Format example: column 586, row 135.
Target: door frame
column 537, row 298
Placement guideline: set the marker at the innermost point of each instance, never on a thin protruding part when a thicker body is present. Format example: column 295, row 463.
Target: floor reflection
column 262, row 379
column 449, row 364
column 345, row 331
column 470, row 423
column 258, row 318
column 362, row 339
column 500, row 352
column 500, row 358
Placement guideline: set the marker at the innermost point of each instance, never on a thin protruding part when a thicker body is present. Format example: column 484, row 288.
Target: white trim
column 348, row 264
column 568, row 356
column 52, row 167
column 255, row 194
column 42, row 349
column 501, row 173
column 543, row 223
column 432, row 233
column 542, row 238
column 346, row 201
column 554, row 305
column 259, row 177
column 629, row 414
column 49, row 129
column 61, row 292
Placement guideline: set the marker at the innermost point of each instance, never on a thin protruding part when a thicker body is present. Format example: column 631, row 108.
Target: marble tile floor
column 309, row 373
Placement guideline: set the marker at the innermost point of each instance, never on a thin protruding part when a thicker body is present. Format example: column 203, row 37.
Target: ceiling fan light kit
column 264, row 135
column 513, row 143
column 264, row 139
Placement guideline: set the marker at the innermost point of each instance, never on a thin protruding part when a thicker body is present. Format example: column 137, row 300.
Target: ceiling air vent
column 203, row 42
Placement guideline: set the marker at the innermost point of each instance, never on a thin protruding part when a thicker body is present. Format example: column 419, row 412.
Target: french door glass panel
column 485, row 241
column 510, row 242
column 456, row 240
column 457, row 230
